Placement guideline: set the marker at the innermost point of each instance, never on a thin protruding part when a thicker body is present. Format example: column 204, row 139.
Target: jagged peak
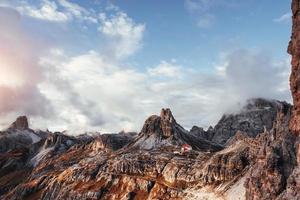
column 168, row 122
column 166, row 115
column 21, row 123
column 163, row 125
column 261, row 103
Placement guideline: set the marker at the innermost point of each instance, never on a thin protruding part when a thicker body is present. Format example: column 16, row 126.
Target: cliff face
column 255, row 117
column 276, row 172
column 275, row 160
column 294, row 50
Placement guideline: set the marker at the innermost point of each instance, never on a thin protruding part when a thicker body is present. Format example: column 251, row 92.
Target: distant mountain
column 150, row 165
column 255, row 117
column 163, row 131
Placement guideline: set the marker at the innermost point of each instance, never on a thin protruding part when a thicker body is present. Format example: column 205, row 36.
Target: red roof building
column 186, row 148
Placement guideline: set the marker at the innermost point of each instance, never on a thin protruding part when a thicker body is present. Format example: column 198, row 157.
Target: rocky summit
column 252, row 154
column 164, row 132
column 20, row 124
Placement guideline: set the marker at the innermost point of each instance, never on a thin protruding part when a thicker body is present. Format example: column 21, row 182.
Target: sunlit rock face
column 294, row 50
column 292, row 182
column 167, row 123
column 275, row 174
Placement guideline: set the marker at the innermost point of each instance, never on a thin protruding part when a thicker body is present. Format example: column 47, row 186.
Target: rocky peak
column 167, row 122
column 256, row 116
column 294, row 50
column 163, row 125
column 201, row 133
column 163, row 131
column 21, row 123
column 166, row 115
column 260, row 103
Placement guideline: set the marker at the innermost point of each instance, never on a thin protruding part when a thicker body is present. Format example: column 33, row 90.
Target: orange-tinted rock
column 167, row 122
column 294, row 50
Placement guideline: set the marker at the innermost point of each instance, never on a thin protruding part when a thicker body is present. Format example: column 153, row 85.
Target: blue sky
column 172, row 31
column 107, row 65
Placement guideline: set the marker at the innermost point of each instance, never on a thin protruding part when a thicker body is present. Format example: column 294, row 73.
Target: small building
column 186, row 148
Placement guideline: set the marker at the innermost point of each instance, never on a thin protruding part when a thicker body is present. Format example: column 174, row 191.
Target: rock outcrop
column 164, row 132
column 275, row 174
column 294, row 50
column 255, row 117
column 275, row 161
column 20, row 124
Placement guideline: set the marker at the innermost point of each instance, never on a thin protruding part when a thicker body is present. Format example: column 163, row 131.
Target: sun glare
column 9, row 76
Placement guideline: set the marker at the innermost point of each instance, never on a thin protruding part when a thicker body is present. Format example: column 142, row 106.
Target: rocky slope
column 163, row 131
column 294, row 50
column 144, row 166
column 255, row 117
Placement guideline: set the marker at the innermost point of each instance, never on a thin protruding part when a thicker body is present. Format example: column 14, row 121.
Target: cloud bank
column 99, row 90
column 20, row 73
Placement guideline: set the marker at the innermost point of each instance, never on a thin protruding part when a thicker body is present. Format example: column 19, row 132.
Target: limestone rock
column 294, row 50
column 21, row 123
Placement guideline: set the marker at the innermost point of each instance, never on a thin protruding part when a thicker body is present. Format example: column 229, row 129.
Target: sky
column 106, row 65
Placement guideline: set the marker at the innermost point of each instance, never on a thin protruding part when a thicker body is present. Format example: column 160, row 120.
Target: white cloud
column 73, row 9
column 166, row 69
column 96, row 90
column 124, row 35
column 20, row 73
column 47, row 11
column 285, row 18
column 93, row 93
column 255, row 74
column 54, row 11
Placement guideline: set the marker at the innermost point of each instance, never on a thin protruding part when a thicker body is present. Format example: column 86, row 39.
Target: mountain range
column 149, row 164
column 253, row 154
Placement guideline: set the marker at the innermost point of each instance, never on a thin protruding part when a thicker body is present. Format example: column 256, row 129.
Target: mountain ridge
column 128, row 166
